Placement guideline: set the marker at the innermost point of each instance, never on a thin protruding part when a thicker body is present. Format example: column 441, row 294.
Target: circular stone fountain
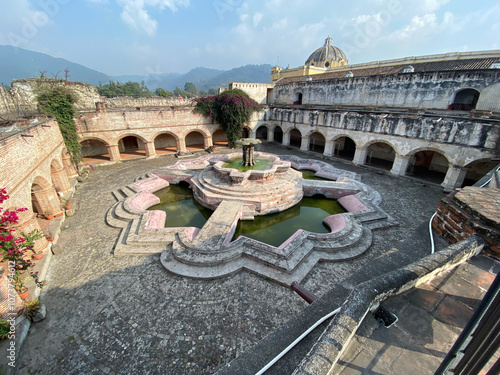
column 262, row 192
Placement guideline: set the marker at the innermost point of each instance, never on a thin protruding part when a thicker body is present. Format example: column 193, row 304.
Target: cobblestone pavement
column 128, row 315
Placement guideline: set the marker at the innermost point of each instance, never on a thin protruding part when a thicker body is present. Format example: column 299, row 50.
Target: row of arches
column 95, row 150
column 428, row 164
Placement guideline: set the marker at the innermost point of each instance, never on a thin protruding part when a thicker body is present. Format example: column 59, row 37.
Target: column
column 400, row 165
column 329, row 148
column 286, row 138
column 69, row 166
column 114, row 153
column 208, row 142
column 360, row 156
column 253, row 134
column 182, row 145
column 454, row 177
column 270, row 134
column 47, row 201
column 150, row 149
column 304, row 144
column 61, row 180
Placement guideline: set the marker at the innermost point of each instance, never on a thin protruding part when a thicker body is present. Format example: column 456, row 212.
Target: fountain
column 243, row 193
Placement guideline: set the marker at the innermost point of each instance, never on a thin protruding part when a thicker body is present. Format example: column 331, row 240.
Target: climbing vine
column 55, row 99
column 231, row 109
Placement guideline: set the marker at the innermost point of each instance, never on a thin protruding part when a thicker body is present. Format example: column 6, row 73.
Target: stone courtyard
column 114, row 315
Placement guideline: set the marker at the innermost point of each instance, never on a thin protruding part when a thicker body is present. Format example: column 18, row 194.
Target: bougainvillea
column 14, row 248
column 231, row 109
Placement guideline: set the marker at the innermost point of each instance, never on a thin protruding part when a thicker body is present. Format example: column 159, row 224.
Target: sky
column 141, row 37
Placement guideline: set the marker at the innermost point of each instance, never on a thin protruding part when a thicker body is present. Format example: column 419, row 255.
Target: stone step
column 113, row 220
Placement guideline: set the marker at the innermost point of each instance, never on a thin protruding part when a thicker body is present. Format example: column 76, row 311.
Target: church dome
column 327, row 56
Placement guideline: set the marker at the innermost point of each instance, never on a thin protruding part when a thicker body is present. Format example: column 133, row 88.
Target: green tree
column 231, row 109
column 191, row 89
column 163, row 93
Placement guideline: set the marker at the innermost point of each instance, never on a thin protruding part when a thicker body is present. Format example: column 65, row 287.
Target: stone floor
column 120, row 315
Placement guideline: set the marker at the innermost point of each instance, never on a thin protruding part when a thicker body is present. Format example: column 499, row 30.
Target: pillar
column 27, row 223
column 69, row 166
column 182, row 145
column 454, row 177
column 47, row 201
column 360, row 156
column 286, row 138
column 270, row 134
column 328, row 148
column 149, row 147
column 253, row 134
column 114, row 153
column 208, row 142
column 61, row 180
column 400, row 165
column 304, row 144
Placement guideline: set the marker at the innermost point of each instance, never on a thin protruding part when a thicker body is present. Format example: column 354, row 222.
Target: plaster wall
column 260, row 92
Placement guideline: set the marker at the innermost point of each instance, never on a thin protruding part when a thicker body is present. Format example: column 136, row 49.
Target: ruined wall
column 257, row 91
column 407, row 90
column 155, row 101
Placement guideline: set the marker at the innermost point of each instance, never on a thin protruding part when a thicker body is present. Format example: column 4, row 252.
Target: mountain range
column 17, row 63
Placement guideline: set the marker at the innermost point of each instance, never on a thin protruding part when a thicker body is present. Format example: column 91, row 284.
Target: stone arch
column 131, row 146
column 295, row 137
column 380, row 154
column 44, row 199
column 219, row 138
column 59, row 177
column 261, row 132
column 464, row 100
column 166, row 143
column 94, row 150
column 195, row 140
column 428, row 164
column 477, row 169
column 344, row 147
column 297, row 98
column 278, row 134
column 317, row 142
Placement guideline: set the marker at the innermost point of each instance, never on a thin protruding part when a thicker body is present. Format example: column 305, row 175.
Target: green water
column 260, row 164
column 182, row 210
column 277, row 228
column 309, row 174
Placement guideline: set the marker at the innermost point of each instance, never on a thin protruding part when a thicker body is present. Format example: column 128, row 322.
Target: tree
column 163, row 93
column 190, row 88
column 231, row 109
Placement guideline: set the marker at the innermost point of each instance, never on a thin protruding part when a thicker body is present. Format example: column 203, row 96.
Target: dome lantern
column 327, row 56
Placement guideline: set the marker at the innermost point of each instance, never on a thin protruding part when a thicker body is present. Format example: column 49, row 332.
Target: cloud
column 136, row 16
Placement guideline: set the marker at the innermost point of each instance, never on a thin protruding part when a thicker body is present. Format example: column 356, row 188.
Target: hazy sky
column 157, row 36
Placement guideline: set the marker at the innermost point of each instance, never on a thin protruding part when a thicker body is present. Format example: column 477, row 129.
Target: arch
column 166, row 143
column 278, row 134
column 317, row 142
column 428, row 165
column 195, row 140
column 94, row 151
column 59, row 176
column 295, row 138
column 344, row 147
column 477, row 169
column 131, row 147
column 297, row 98
column 261, row 133
column 380, row 154
column 41, row 191
column 219, row 138
column 464, row 100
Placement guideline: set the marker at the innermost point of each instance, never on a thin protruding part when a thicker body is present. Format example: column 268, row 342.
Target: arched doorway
column 380, row 155
column 477, row 169
column 219, row 138
column 295, row 138
column 344, row 148
column 278, row 134
column 165, row 144
column 317, row 142
column 428, row 165
column 297, row 98
column 195, row 141
column 131, row 147
column 261, row 133
column 464, row 100
column 94, row 151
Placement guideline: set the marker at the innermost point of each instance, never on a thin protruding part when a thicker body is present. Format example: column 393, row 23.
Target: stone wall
column 260, row 92
column 155, row 101
column 433, row 90
column 469, row 211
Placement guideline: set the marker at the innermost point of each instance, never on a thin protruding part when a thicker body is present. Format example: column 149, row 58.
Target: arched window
column 297, row 98
column 464, row 100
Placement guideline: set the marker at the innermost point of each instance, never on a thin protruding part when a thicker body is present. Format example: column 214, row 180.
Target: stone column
column 61, row 180
column 304, row 144
column 69, row 166
column 454, row 177
column 182, row 145
column 149, row 147
column 209, row 142
column 114, row 153
column 400, row 165
column 360, row 156
column 270, row 134
column 27, row 223
column 253, row 134
column 286, row 138
column 47, row 201
column 328, row 148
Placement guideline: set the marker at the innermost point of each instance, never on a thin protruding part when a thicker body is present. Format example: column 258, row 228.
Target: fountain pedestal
column 248, row 145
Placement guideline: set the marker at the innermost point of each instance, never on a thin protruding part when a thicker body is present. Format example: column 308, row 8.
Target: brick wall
column 468, row 211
